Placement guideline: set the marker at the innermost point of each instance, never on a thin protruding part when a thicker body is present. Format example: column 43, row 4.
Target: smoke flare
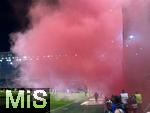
column 72, row 41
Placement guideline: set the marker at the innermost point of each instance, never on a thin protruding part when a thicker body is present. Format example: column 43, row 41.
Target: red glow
column 91, row 30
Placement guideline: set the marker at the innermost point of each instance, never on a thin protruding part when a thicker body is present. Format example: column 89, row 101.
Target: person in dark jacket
column 96, row 95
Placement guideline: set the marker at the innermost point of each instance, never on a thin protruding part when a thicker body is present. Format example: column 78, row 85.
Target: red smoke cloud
column 73, row 41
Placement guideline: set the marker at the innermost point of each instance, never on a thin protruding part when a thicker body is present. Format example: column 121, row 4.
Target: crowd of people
column 124, row 103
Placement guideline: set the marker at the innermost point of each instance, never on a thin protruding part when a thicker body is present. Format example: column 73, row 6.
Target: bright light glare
column 25, row 57
column 131, row 37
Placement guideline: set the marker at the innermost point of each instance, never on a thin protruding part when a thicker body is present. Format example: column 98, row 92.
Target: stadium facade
column 7, row 71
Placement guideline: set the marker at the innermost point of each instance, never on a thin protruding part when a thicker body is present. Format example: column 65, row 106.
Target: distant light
column 137, row 54
column 51, row 56
column 1, row 60
column 66, row 55
column 76, row 54
column 131, row 37
column 141, row 48
column 102, row 55
column 110, row 10
column 37, row 58
column 127, row 45
column 25, row 57
column 20, row 60
column 112, row 41
column 11, row 63
column 8, row 60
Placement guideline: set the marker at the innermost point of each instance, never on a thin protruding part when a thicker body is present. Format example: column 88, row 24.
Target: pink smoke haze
column 73, row 41
column 137, row 49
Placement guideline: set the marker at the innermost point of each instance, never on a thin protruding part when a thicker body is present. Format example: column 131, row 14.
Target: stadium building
column 7, row 71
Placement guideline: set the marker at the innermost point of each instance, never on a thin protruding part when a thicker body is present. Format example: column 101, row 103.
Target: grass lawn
column 75, row 99
column 61, row 99
column 54, row 103
column 77, row 108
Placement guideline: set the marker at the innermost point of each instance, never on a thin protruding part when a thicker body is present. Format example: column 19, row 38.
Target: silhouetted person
column 109, row 106
column 133, row 107
column 96, row 95
column 138, row 97
column 124, row 99
column 85, row 93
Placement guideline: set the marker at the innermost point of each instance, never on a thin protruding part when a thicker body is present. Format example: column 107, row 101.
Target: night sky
column 13, row 18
